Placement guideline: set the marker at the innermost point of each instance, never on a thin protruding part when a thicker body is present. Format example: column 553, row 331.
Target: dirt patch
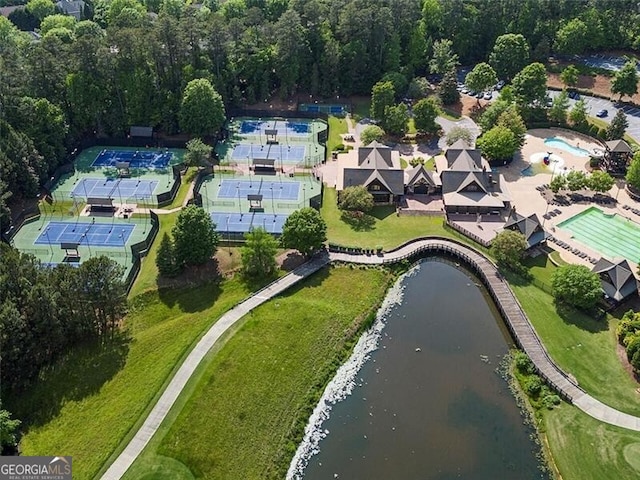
column 290, row 260
column 192, row 276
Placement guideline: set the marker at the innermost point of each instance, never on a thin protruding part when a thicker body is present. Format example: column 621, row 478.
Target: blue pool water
column 567, row 147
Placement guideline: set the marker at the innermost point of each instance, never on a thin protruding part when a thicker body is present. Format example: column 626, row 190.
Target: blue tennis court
column 106, row 235
column 334, row 109
column 135, row 158
column 284, row 153
column 114, row 188
column 242, row 223
column 284, row 127
column 269, row 189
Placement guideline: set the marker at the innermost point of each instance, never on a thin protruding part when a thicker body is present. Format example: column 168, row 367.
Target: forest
column 128, row 62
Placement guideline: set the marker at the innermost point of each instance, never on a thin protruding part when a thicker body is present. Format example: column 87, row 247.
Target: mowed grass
column 337, row 127
column 584, row 448
column 147, row 278
column 162, row 327
column 380, row 227
column 246, row 413
column 582, row 346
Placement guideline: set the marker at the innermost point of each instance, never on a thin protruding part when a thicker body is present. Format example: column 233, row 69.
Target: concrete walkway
column 514, row 316
column 182, row 376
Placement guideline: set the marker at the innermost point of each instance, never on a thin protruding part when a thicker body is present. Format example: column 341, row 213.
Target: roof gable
column 375, row 155
column 418, row 175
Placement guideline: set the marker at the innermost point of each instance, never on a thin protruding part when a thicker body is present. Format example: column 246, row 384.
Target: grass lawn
column 88, row 403
column 337, row 126
column 146, row 279
column 403, row 163
column 187, row 179
column 361, row 108
column 381, row 227
column 582, row 346
column 258, row 390
column 583, row 447
column 411, row 128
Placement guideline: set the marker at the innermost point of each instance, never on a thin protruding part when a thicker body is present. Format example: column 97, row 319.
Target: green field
column 258, row 391
column 380, row 227
column 337, row 127
column 582, row 346
column 88, row 403
column 584, row 448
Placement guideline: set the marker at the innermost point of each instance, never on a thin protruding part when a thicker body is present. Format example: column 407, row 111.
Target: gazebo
column 617, row 157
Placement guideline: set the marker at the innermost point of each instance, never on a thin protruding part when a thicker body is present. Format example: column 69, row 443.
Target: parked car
column 488, row 95
column 464, row 89
column 549, row 102
column 500, row 85
column 602, row 113
column 574, row 95
column 479, row 94
column 472, row 93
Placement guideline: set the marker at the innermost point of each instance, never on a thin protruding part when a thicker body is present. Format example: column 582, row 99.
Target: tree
column 41, row 8
column 8, row 430
column 202, row 110
column 510, row 54
column 498, row 144
column 600, row 181
column 576, row 285
column 166, row 259
column 569, row 76
column 57, row 21
column 443, row 59
column 396, row 118
column 399, row 82
column 618, row 126
column 573, row 38
column 459, row 133
column 304, row 230
column 448, row 88
column 418, row 88
column 382, row 96
column 481, row 78
column 424, row 115
column 489, row 117
column 576, row 180
column 194, row 236
column 558, row 182
column 198, row 153
column 558, row 111
column 625, row 81
column 508, row 249
column 372, row 133
column 259, row 254
column 578, row 114
column 355, row 198
column 530, row 84
column 633, row 173
column 511, row 119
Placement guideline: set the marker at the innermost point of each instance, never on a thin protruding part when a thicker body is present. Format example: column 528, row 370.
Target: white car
column 488, row 95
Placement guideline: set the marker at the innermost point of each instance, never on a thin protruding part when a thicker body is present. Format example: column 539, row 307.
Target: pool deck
column 528, row 200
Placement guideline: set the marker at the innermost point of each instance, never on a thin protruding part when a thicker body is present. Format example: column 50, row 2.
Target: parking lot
column 596, row 104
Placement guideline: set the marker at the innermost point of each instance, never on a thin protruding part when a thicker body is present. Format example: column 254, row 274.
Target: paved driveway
column 595, row 104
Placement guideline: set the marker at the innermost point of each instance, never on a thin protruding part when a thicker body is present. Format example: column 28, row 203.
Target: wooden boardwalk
column 511, row 311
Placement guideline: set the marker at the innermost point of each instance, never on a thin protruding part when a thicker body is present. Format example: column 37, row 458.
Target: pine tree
column 618, row 126
column 166, row 259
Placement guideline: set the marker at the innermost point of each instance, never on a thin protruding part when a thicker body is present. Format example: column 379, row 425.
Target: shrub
column 550, row 401
column 533, row 385
column 339, row 147
column 523, row 362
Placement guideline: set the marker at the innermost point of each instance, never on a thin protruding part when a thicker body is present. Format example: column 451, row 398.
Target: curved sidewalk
column 508, row 305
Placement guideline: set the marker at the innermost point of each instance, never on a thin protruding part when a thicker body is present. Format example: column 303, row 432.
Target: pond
column 429, row 402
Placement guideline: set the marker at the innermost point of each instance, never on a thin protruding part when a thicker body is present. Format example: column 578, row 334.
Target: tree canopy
column 481, row 77
column 382, row 96
column 569, row 76
column 259, row 254
column 576, row 285
column 508, row 248
column 625, row 81
column 509, row 55
column 198, row 153
column 530, row 84
column 202, row 110
column 304, row 230
column 194, row 237
column 618, row 126
column 499, row 143
column 355, row 198
column 425, row 112
column 633, row 173
column 372, row 133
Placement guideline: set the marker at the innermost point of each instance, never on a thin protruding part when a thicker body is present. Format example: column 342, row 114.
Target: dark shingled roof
column 375, row 155
column 529, row 226
column 392, row 180
column 617, row 278
column 463, row 159
column 618, row 146
column 418, row 173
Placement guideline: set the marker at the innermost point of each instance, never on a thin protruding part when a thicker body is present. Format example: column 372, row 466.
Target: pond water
column 429, row 404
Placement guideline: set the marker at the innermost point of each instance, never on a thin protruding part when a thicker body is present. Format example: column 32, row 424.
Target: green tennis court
column 610, row 234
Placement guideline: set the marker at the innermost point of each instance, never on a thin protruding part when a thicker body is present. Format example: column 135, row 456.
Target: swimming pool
column 611, row 235
column 556, row 142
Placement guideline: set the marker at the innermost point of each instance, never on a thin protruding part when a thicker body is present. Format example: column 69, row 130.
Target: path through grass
column 583, row 447
column 245, row 415
column 90, row 424
column 582, row 346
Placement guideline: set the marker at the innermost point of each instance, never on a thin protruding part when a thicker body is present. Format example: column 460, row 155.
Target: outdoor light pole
column 46, row 232
column 228, row 236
